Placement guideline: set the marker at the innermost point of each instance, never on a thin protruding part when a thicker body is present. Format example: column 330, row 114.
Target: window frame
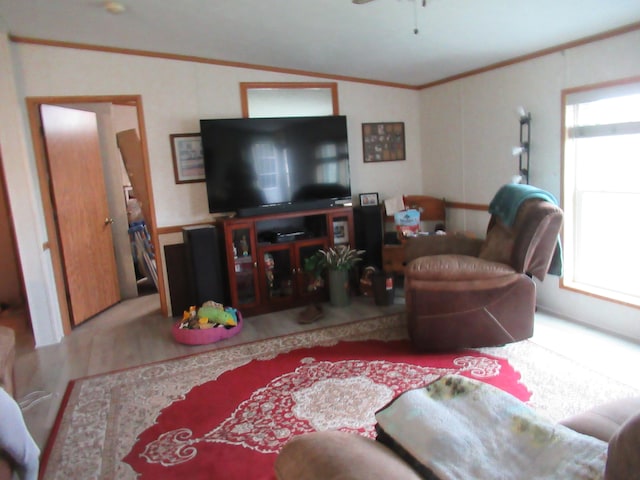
column 279, row 87
column 569, row 224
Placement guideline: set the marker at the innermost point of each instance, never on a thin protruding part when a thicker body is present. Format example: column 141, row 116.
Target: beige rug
column 560, row 387
column 103, row 415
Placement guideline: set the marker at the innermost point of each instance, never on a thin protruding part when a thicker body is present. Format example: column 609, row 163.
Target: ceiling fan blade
column 361, row 2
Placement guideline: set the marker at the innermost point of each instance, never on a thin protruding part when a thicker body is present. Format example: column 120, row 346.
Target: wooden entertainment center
column 265, row 256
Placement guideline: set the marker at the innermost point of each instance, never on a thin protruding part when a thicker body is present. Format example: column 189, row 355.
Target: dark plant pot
column 339, row 288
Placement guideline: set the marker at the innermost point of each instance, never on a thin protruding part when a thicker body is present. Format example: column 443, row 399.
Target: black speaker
column 368, row 234
column 205, row 264
column 177, row 278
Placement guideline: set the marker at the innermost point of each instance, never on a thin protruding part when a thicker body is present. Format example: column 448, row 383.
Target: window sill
column 601, row 293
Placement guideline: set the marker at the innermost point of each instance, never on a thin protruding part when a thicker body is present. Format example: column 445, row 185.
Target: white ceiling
column 371, row 41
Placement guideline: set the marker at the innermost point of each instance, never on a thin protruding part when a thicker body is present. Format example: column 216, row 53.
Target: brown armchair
column 462, row 292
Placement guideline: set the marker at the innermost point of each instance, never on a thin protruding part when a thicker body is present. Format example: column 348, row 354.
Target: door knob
column 108, row 221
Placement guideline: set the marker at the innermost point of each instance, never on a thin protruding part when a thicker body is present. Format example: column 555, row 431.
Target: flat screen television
column 257, row 166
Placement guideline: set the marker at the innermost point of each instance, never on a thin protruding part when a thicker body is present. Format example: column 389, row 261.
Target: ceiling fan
column 362, row 2
column 422, row 2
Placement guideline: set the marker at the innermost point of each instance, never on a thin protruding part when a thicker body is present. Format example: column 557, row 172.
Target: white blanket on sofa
column 458, row 428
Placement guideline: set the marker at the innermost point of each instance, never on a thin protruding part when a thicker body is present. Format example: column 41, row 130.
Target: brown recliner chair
column 463, row 292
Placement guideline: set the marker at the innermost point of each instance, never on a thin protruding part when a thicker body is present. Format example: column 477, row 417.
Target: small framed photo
column 368, row 199
column 188, row 158
column 340, row 232
column 383, row 142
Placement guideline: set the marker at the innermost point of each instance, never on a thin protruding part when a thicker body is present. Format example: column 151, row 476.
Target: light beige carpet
column 560, row 387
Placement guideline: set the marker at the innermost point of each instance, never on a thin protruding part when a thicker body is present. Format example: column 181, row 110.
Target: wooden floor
column 134, row 333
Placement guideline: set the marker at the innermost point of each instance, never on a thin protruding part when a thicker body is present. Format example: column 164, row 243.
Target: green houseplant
column 337, row 261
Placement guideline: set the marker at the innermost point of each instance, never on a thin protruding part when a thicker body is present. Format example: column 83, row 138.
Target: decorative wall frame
column 383, row 142
column 188, row 158
column 368, row 199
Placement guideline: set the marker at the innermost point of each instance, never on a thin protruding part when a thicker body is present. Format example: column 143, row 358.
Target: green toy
column 217, row 315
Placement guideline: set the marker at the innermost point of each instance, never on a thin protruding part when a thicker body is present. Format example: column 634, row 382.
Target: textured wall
column 469, row 127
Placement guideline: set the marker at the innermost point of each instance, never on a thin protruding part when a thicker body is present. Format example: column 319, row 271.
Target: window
column 290, row 99
column 601, row 191
column 299, row 99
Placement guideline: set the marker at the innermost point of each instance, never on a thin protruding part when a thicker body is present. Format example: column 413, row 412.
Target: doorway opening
column 13, row 309
column 115, row 114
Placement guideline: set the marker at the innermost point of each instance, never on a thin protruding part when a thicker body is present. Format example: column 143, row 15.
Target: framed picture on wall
column 383, row 142
column 188, row 159
column 368, row 199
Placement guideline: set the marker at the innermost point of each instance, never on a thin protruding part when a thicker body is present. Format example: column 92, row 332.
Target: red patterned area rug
column 233, row 427
column 226, row 413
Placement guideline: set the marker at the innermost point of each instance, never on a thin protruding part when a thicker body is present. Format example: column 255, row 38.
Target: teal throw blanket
column 505, row 206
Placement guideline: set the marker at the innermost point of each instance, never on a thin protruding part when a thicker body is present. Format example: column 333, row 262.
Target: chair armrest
column 334, row 455
column 453, row 244
column 604, row 420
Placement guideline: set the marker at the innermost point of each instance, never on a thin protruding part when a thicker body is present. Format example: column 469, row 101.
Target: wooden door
column 80, row 202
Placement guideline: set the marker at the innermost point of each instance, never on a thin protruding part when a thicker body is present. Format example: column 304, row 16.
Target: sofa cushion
column 623, row 461
column 334, row 455
column 455, row 267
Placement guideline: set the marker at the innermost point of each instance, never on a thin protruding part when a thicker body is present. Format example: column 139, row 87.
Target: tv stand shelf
column 265, row 256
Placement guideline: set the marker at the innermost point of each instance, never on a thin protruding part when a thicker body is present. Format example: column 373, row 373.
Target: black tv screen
column 260, row 165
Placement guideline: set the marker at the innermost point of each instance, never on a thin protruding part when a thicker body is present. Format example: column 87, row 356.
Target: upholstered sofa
column 333, row 455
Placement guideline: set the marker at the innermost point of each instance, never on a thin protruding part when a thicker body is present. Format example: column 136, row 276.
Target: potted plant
column 337, row 261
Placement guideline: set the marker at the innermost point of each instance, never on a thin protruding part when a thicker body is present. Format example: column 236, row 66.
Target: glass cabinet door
column 307, row 283
column 278, row 272
column 339, row 231
column 243, row 284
